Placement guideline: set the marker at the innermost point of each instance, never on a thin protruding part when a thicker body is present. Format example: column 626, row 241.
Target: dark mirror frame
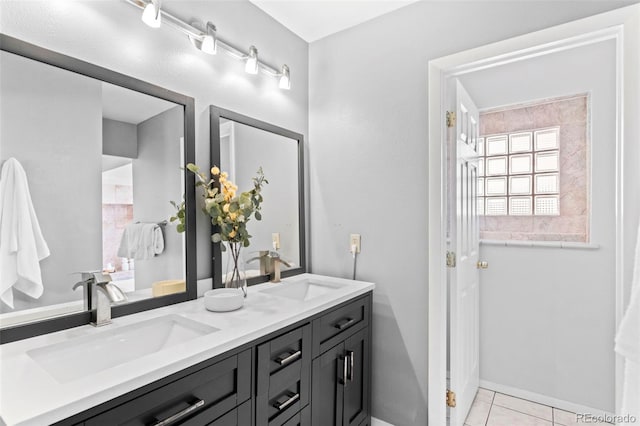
column 215, row 114
column 30, row 51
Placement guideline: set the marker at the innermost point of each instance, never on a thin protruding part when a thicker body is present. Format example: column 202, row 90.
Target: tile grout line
column 486, row 422
column 528, row 414
column 492, row 403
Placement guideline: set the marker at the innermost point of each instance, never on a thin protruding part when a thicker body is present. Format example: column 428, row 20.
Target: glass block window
column 519, row 173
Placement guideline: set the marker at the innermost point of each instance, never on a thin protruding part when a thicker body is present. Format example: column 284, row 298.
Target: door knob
column 482, row 264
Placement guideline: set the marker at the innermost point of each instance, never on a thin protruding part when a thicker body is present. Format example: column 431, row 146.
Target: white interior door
column 463, row 242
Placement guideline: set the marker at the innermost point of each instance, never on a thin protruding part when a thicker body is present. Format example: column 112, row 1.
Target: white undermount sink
column 86, row 355
column 302, row 290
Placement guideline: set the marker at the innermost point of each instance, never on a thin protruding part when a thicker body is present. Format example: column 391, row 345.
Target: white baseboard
column 543, row 399
column 378, row 422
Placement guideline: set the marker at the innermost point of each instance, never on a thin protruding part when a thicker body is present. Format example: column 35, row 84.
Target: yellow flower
column 233, row 215
column 215, row 171
column 225, row 175
column 232, row 233
column 223, row 179
column 225, row 208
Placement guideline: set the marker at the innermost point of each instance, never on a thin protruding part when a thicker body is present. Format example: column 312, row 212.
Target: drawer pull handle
column 291, row 398
column 350, row 356
column 180, row 414
column 342, row 324
column 288, row 357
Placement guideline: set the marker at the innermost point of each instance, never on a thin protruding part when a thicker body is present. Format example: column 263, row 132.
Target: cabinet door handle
column 180, row 414
column 345, row 368
column 291, row 398
column 288, row 357
column 344, row 323
column 350, row 356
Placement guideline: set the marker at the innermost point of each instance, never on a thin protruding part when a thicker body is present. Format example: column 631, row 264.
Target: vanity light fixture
column 285, row 78
column 209, row 44
column 151, row 14
column 205, row 38
column 251, row 66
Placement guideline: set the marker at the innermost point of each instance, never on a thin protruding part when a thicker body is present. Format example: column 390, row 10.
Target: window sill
column 548, row 244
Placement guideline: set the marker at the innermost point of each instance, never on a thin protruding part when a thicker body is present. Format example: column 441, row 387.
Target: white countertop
column 29, row 395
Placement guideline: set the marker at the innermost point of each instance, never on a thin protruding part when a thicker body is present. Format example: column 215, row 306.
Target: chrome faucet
column 99, row 292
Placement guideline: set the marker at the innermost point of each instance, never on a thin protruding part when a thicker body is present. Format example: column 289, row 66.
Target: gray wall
column 52, row 133
column 547, row 315
column 156, row 177
column 368, row 135
column 166, row 58
column 119, row 138
column 278, row 157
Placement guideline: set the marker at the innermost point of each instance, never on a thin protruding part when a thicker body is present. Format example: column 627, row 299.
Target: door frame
column 621, row 25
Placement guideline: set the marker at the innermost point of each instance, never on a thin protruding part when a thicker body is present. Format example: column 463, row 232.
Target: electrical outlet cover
column 354, row 240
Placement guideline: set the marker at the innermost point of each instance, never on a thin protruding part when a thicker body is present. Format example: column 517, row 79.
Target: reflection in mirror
column 245, row 145
column 102, row 163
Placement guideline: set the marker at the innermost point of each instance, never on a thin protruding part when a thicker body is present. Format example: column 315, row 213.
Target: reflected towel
column 628, row 345
column 22, row 245
column 141, row 241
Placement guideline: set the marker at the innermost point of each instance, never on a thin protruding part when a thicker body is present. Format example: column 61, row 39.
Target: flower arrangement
column 228, row 210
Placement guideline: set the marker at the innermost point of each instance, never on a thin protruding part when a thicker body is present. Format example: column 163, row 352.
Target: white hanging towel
column 628, row 346
column 22, row 245
column 141, row 241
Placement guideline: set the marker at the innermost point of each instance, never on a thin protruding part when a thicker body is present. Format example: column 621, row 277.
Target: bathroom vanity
column 297, row 353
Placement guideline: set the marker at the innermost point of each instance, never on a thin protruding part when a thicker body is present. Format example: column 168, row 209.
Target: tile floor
column 496, row 409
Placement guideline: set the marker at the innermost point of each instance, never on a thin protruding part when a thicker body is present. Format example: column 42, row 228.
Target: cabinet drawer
column 198, row 398
column 240, row 416
column 283, row 352
column 334, row 326
column 283, row 375
column 302, row 418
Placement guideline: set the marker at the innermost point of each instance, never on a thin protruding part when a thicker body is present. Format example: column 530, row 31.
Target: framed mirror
column 240, row 145
column 99, row 156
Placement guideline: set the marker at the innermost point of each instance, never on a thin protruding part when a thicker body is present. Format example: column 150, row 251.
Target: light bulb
column 285, row 78
column 208, row 45
column 151, row 15
column 251, row 66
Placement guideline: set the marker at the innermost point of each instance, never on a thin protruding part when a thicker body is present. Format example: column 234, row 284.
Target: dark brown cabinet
column 314, row 372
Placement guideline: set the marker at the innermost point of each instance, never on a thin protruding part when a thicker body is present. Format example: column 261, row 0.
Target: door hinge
column 451, row 398
column 451, row 259
column 451, row 119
